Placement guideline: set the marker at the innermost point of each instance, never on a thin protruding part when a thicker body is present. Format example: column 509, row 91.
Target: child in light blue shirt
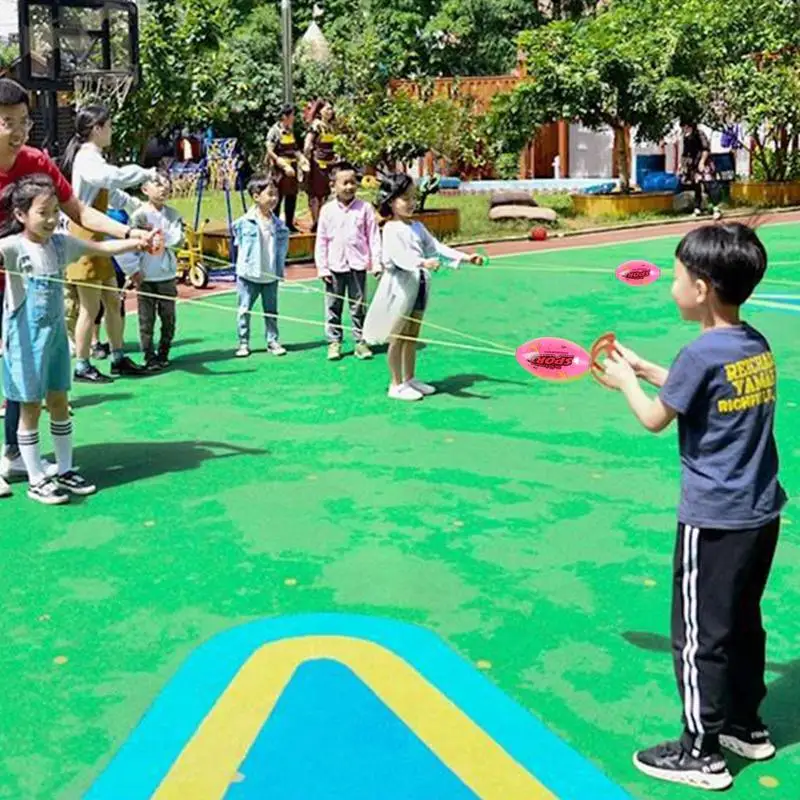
column 262, row 243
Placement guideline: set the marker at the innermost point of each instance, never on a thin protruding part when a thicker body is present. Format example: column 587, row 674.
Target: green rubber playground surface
column 529, row 525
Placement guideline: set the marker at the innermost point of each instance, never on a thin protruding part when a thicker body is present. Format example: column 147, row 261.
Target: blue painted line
column 331, row 736
column 156, row 743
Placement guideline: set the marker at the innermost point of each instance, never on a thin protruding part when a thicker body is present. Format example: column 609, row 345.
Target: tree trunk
column 621, row 140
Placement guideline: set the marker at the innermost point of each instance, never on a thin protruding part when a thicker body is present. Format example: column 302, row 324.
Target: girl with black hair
column 409, row 252
column 97, row 183
column 36, row 361
column 697, row 168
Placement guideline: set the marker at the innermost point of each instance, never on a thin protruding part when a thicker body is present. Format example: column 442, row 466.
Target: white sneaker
column 243, row 351
column 717, row 213
column 404, row 392
column 5, row 489
column 423, row 388
column 14, row 469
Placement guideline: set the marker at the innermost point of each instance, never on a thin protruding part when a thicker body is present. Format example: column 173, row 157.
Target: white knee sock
column 62, row 444
column 29, row 450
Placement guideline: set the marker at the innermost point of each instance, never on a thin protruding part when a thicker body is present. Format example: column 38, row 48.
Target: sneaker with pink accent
column 404, row 392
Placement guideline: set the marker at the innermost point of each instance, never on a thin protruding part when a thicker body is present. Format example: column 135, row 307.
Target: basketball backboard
column 61, row 40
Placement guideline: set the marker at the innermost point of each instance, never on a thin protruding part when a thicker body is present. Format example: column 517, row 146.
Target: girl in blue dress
column 36, row 361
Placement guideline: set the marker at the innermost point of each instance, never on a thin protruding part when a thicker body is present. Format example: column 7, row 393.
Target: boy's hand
column 618, row 372
column 629, row 356
column 140, row 234
column 327, row 279
column 431, row 264
column 134, row 281
column 476, row 259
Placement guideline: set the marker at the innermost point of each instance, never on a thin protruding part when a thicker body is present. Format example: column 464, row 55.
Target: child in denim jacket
column 262, row 242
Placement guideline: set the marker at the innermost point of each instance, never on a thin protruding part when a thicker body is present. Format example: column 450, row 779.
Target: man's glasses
column 14, row 125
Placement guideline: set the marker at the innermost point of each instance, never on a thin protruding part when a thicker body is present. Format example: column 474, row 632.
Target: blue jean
column 11, row 424
column 249, row 292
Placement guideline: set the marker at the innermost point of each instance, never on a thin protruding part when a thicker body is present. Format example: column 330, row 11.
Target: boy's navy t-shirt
column 723, row 388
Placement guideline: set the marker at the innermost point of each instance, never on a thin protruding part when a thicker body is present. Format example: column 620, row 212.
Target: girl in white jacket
column 409, row 252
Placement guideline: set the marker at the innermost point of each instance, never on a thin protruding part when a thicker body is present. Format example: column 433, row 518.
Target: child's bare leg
column 410, row 347
column 395, row 359
column 396, row 355
column 28, row 436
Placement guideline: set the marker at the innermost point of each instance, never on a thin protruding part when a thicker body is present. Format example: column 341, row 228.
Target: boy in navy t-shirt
column 721, row 387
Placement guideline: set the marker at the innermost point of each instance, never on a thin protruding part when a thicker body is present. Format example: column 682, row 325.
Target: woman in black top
column 697, row 168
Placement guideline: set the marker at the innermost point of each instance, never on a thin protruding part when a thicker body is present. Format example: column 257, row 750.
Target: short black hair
column 729, row 257
column 12, row 94
column 286, row 110
column 392, row 187
column 342, row 166
column 259, row 182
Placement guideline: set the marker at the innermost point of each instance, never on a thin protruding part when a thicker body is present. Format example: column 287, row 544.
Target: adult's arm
column 97, row 222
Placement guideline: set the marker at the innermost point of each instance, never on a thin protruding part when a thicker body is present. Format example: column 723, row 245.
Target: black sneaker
column 48, row 492
column 126, row 368
column 751, row 743
column 92, row 375
column 153, row 364
column 75, row 483
column 670, row 762
column 163, row 359
column 100, row 351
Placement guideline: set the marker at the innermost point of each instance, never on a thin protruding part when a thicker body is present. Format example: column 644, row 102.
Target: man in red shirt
column 16, row 161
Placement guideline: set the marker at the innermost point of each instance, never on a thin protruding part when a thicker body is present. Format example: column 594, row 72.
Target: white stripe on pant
column 691, row 689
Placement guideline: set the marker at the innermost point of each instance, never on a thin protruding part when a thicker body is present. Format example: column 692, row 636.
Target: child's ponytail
column 85, row 121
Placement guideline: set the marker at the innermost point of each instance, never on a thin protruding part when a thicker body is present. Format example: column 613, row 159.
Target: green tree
column 749, row 63
column 623, row 67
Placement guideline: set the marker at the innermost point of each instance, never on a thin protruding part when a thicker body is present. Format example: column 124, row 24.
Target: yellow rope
column 264, row 314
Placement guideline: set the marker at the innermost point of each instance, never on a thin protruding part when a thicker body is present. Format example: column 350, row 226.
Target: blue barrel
column 649, row 163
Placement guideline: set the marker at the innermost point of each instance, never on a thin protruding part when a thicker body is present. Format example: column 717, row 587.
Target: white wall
column 590, row 152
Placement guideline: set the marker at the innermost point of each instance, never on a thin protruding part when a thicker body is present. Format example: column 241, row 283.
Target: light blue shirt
column 261, row 247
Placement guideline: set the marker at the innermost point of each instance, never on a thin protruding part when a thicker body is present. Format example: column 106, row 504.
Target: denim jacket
column 260, row 258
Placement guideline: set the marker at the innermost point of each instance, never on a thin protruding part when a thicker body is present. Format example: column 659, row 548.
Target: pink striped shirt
column 347, row 238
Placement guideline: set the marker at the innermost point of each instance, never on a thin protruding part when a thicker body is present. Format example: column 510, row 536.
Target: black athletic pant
column 718, row 642
column 352, row 283
column 713, row 190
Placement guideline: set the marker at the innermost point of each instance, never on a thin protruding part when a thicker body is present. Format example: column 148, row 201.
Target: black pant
column 718, row 642
column 164, row 308
column 291, row 204
column 354, row 285
column 711, row 187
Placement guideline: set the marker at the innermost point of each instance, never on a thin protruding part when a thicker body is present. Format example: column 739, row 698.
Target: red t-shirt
column 31, row 161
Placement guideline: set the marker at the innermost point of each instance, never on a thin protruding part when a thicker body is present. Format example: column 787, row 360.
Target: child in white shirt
column 159, row 271
column 409, row 252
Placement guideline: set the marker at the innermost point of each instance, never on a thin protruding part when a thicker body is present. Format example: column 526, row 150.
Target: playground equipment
column 212, row 243
column 191, row 258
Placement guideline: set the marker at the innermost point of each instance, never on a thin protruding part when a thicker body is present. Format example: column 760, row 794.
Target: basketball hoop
column 102, row 87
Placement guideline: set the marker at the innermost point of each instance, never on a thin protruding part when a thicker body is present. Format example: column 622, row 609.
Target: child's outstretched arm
column 651, row 412
column 654, row 374
column 113, row 247
column 454, row 257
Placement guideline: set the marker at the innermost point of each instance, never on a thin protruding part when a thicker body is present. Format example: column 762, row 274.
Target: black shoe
column 126, row 367
column 153, row 364
column 100, row 351
column 92, row 375
column 48, row 492
column 751, row 743
column 670, row 762
column 163, row 359
column 74, row 483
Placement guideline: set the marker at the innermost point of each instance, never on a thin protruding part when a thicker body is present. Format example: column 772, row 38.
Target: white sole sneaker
column 5, row 489
column 15, row 470
column 752, row 752
column 404, row 392
column 714, row 781
column 423, row 388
